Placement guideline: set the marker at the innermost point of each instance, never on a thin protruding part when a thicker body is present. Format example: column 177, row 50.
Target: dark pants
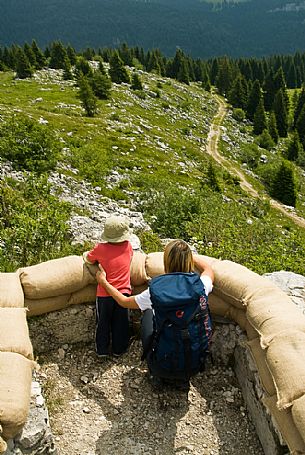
column 112, row 325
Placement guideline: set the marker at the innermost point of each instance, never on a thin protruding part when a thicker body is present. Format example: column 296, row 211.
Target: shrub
column 239, row 114
column 28, row 144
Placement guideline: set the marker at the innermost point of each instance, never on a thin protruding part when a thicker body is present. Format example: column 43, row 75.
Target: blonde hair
column 178, row 257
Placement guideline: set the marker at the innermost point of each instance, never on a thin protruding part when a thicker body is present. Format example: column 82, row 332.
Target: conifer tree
column 117, row 71
column 294, row 147
column 299, row 105
column 101, row 85
column 284, row 184
column 238, row 95
column 67, row 74
column 281, row 113
column 269, row 90
column 136, row 83
column 23, row 67
column 300, row 126
column 253, row 99
column 265, row 140
column 87, row 97
column 39, row 56
column 272, row 127
column 224, row 76
column 82, row 68
column 259, row 121
column 30, row 55
column 58, row 54
column 71, row 54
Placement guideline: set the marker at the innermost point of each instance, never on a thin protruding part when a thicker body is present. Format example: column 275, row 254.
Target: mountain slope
column 257, row 27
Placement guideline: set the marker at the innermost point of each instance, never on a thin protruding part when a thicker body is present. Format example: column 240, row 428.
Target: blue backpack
column 182, row 326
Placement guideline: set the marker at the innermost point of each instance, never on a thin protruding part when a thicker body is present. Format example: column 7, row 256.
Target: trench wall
column 273, row 334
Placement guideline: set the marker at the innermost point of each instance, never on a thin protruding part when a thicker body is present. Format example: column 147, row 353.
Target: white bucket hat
column 116, row 229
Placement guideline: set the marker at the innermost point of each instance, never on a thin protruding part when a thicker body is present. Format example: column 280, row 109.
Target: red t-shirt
column 115, row 258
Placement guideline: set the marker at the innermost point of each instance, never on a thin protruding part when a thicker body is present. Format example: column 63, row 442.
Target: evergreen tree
column 87, row 97
column 224, row 76
column 71, row 54
column 39, row 56
column 284, row 184
column 67, row 74
column 299, row 106
column 238, row 95
column 272, row 127
column 23, row 67
column 269, row 90
column 30, row 55
column 259, row 121
column 281, row 113
column 183, row 73
column 83, row 68
column 294, row 147
column 136, row 83
column 265, row 140
column 101, row 85
column 254, row 98
column 300, row 126
column 58, row 55
column 117, row 71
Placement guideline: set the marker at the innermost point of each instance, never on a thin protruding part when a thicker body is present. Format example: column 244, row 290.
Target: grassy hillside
column 146, row 150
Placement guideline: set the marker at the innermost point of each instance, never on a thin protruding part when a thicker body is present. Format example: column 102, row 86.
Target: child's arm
column 126, row 302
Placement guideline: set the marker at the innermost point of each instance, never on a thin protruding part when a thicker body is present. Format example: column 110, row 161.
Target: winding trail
column 212, row 150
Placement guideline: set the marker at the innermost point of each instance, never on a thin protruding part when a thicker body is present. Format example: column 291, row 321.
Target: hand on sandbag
column 101, row 275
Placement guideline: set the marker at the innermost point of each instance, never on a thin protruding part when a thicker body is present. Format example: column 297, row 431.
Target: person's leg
column 120, row 329
column 147, row 329
column 104, row 310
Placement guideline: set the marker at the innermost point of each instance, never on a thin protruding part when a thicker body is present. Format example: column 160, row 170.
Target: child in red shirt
column 114, row 255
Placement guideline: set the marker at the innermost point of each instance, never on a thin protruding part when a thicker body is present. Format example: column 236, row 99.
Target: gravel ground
column 111, row 408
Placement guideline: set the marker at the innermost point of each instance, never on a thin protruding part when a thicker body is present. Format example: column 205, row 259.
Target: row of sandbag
column 16, row 359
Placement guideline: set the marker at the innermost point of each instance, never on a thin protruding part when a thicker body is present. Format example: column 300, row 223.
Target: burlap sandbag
column 273, row 313
column 3, row 446
column 251, row 332
column 286, row 361
column 11, row 293
column 85, row 295
column 15, row 392
column 56, row 277
column 286, row 426
column 298, row 414
column 14, row 332
column 218, row 306
column 259, row 356
column 154, row 264
column 138, row 275
column 235, row 283
column 42, row 306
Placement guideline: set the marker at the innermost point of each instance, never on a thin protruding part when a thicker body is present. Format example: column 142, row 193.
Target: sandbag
column 138, row 274
column 56, row 277
column 85, row 295
column 138, row 289
column 298, row 414
column 217, row 305
column 286, row 361
column 14, row 332
column 286, row 426
column 154, row 264
column 42, row 306
column 235, row 283
column 259, row 357
column 15, row 392
column 272, row 314
column 11, row 293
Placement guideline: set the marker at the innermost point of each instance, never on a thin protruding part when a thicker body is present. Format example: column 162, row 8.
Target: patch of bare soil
column 110, row 408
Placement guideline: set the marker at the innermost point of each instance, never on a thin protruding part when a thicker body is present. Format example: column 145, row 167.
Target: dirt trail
column 212, row 150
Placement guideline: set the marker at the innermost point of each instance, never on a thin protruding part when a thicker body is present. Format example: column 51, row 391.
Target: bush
column 33, row 223
column 239, row 114
column 29, row 145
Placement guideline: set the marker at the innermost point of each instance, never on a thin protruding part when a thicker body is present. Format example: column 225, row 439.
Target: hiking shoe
column 103, row 357
column 155, row 382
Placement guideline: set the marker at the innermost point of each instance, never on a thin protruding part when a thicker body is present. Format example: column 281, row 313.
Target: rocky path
column 110, row 408
column 212, row 149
